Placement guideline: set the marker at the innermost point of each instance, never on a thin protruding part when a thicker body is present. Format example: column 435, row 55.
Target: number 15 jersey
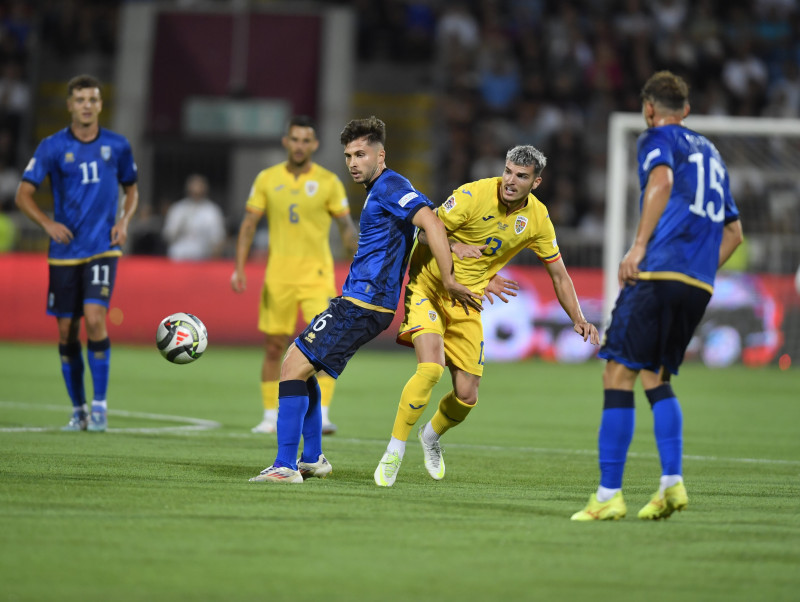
column 685, row 243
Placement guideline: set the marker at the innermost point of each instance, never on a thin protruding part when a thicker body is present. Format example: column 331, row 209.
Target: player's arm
column 568, row 298
column 732, row 237
column 247, row 230
column 348, row 234
column 119, row 233
column 27, row 204
column 656, row 196
column 436, row 236
column 500, row 286
column 460, row 249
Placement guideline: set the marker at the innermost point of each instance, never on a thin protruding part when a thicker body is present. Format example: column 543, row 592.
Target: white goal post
column 766, row 149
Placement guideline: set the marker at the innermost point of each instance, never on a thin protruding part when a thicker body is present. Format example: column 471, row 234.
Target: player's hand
column 461, row 294
column 588, row 332
column 119, row 233
column 629, row 266
column 500, row 286
column 238, row 281
column 59, row 232
column 463, row 250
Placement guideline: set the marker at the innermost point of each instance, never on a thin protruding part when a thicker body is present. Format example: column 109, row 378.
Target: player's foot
column 328, row 428
column 434, row 461
column 98, row 422
column 387, row 469
column 319, row 469
column 278, row 474
column 662, row 506
column 613, row 509
column 78, row 422
column 265, row 426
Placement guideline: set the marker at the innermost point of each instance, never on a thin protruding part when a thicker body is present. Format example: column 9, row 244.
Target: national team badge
column 312, row 187
column 105, row 152
column 432, row 315
column 69, row 158
column 520, row 224
column 449, row 204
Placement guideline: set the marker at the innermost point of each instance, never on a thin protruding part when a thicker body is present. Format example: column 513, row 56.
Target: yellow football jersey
column 474, row 215
column 299, row 211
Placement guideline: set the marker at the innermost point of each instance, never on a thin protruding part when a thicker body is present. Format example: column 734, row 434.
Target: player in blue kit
column 86, row 165
column 392, row 212
column 689, row 226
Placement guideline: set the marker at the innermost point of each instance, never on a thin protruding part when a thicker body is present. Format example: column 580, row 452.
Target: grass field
column 149, row 512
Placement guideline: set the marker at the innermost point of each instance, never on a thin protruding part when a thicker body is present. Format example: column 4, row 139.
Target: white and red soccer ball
column 181, row 338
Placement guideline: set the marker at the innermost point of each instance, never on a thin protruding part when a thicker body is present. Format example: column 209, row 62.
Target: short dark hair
column 667, row 89
column 301, row 121
column 79, row 82
column 371, row 128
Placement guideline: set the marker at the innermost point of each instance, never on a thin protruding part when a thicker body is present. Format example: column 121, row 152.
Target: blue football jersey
column 85, row 179
column 687, row 238
column 385, row 241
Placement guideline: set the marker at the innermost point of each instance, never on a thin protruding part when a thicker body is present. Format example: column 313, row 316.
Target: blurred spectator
column 745, row 76
column 784, row 95
column 194, row 227
column 14, row 96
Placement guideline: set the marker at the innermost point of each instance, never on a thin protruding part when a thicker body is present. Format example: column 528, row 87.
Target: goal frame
column 620, row 125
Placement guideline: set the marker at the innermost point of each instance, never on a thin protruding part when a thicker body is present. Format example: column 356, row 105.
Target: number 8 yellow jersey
column 299, row 210
column 474, row 215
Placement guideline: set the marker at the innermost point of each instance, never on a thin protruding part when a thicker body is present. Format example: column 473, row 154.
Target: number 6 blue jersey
column 685, row 243
column 85, row 179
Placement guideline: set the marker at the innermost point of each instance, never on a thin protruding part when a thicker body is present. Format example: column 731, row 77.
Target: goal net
column 753, row 315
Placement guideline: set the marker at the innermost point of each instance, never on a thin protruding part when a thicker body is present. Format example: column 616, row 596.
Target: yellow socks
column 415, row 397
column 452, row 411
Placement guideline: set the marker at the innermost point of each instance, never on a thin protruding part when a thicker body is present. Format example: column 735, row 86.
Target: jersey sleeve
column 455, row 211
column 39, row 165
column 337, row 203
column 544, row 243
column 257, row 201
column 403, row 201
column 126, row 167
column 654, row 149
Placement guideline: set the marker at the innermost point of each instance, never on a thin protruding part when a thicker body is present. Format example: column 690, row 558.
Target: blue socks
column 99, row 356
column 312, row 425
column 292, row 407
column 668, row 428
column 616, row 433
column 72, row 370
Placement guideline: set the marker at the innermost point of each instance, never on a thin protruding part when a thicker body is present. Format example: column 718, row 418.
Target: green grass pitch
column 147, row 512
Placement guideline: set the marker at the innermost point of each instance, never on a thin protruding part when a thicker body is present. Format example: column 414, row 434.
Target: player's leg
column 277, row 316
column 99, row 277
column 312, row 462
column 416, row 394
column 64, row 302
column 312, row 303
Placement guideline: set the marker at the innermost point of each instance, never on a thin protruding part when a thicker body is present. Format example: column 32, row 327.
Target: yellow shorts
column 426, row 311
column 280, row 302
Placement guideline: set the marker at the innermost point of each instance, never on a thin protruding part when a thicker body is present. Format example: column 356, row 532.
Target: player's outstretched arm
column 436, row 235
column 244, row 241
column 568, row 298
column 459, row 249
column 27, row 204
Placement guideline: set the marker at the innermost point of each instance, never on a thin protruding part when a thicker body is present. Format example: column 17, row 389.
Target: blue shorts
column 71, row 286
column 337, row 333
column 652, row 324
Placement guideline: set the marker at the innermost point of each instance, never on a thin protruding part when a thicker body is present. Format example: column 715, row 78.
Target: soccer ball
column 181, row 338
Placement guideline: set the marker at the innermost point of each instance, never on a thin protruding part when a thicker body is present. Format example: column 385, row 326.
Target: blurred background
column 206, row 86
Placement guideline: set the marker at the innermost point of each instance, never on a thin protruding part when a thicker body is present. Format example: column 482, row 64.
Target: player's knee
column 275, row 347
column 430, row 371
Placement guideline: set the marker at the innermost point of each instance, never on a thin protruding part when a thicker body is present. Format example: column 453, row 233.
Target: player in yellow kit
column 300, row 200
column 488, row 222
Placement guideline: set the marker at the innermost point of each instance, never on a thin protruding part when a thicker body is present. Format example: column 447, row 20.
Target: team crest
column 312, row 187
column 449, row 204
column 105, row 152
column 520, row 224
column 69, row 158
column 432, row 315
